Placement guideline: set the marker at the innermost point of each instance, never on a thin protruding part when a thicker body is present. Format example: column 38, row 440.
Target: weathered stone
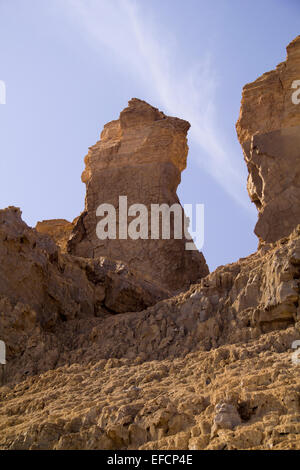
column 269, row 132
column 59, row 229
column 40, row 289
column 226, row 417
column 210, row 368
column 140, row 156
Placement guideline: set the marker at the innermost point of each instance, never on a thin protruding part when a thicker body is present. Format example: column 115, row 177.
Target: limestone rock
column 140, row 156
column 269, row 132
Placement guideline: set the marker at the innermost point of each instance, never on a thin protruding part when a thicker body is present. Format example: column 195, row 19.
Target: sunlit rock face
column 141, row 155
column 100, row 358
column 269, row 132
column 58, row 229
column 211, row 368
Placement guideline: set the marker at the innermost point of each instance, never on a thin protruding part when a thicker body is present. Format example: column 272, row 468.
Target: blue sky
column 70, row 66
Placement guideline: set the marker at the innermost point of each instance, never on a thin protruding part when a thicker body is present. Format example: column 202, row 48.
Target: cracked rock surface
column 103, row 354
column 269, row 132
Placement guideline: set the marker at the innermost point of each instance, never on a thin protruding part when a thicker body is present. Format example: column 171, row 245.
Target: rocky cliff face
column 101, row 358
column 269, row 131
column 141, row 156
column 42, row 289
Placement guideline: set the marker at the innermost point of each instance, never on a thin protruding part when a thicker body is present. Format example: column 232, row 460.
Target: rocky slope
column 41, row 289
column 209, row 369
column 100, row 357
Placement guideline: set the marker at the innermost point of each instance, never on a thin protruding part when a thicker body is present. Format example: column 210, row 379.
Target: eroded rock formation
column 208, row 369
column 269, row 131
column 141, row 156
column 59, row 230
column 214, row 367
column 41, row 289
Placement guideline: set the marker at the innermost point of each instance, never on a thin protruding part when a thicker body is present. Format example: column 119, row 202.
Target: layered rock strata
column 209, row 369
column 214, row 367
column 141, row 156
column 269, row 132
column 41, row 289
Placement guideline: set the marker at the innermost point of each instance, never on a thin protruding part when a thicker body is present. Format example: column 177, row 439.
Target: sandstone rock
column 41, row 289
column 140, row 156
column 80, row 407
column 152, row 380
column 269, row 132
column 236, row 303
column 209, row 368
column 59, row 229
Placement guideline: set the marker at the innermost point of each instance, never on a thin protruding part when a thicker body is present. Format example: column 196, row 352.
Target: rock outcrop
column 214, row 367
column 141, row 156
column 41, row 289
column 269, row 131
column 168, row 404
column 59, row 230
column 153, row 379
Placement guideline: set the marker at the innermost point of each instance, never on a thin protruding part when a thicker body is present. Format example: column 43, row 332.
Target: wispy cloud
column 120, row 27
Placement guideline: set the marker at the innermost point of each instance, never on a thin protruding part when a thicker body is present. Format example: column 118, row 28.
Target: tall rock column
column 269, row 132
column 141, row 155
